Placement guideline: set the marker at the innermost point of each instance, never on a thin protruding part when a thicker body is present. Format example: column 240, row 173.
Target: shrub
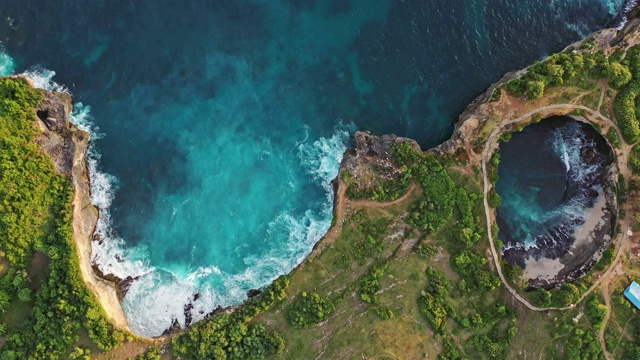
column 224, row 336
column 370, row 283
column 619, row 75
column 308, row 310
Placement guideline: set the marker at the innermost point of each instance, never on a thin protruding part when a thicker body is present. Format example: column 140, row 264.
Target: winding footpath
column 489, row 149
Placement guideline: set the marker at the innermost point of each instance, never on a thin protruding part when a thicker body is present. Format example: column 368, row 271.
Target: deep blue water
column 223, row 122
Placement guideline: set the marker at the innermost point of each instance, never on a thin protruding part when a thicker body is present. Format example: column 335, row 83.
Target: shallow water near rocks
column 223, row 122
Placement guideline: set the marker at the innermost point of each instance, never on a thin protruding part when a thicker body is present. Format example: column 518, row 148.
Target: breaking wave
column 159, row 298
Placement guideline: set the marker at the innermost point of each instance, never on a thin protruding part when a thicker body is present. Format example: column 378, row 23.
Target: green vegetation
column 445, row 201
column 622, row 334
column 555, row 70
column 369, row 285
column 625, row 101
column 426, row 250
column 367, row 245
column 234, row 336
column 613, row 137
column 384, row 190
column 495, row 95
column 80, row 353
column 153, row 353
column 440, row 196
column 489, row 324
column 634, row 160
column 494, row 199
column 596, row 313
column 564, row 296
column 309, row 309
column 581, row 344
column 606, row 259
column 36, row 215
column 471, row 268
column 574, row 67
column 433, row 303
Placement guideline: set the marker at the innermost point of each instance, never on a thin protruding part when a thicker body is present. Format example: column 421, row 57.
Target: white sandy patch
column 545, row 268
column 584, row 234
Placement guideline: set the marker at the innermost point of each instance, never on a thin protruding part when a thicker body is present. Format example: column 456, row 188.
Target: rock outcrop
column 372, row 159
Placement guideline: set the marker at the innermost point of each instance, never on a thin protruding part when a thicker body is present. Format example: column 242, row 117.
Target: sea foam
column 158, row 297
column 7, row 66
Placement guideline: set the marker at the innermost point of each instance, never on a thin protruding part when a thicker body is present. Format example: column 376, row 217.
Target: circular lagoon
column 557, row 213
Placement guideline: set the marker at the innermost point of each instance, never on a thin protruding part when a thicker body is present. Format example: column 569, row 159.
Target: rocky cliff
column 67, row 146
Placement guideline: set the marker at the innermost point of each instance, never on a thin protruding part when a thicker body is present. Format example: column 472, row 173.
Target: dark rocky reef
column 633, row 22
column 377, row 147
column 173, row 329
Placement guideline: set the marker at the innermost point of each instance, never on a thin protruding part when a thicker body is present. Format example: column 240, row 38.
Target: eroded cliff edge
column 67, row 146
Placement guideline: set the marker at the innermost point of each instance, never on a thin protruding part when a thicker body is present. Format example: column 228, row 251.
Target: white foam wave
column 322, row 158
column 567, row 142
column 159, row 297
column 156, row 300
column 43, row 79
column 7, row 66
column 628, row 6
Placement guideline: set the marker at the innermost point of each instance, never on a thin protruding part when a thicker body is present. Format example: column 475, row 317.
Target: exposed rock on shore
column 372, row 160
column 67, row 146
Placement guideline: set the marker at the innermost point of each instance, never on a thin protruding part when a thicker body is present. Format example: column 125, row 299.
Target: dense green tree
column 534, row 89
column 619, row 75
column 233, row 336
column 307, row 310
column 36, row 214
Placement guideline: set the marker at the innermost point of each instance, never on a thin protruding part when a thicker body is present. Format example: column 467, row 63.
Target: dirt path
column 601, row 99
column 607, row 302
column 544, row 346
column 377, row 204
column 489, row 149
column 342, row 204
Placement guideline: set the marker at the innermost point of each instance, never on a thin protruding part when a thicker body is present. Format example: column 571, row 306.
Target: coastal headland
column 67, row 146
column 413, row 254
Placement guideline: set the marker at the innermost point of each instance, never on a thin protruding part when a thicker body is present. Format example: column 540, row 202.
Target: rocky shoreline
column 67, row 147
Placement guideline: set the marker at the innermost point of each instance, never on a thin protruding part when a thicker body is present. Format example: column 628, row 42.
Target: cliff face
column 476, row 116
column 67, row 146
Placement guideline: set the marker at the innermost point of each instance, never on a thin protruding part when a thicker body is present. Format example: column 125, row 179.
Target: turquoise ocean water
column 218, row 125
